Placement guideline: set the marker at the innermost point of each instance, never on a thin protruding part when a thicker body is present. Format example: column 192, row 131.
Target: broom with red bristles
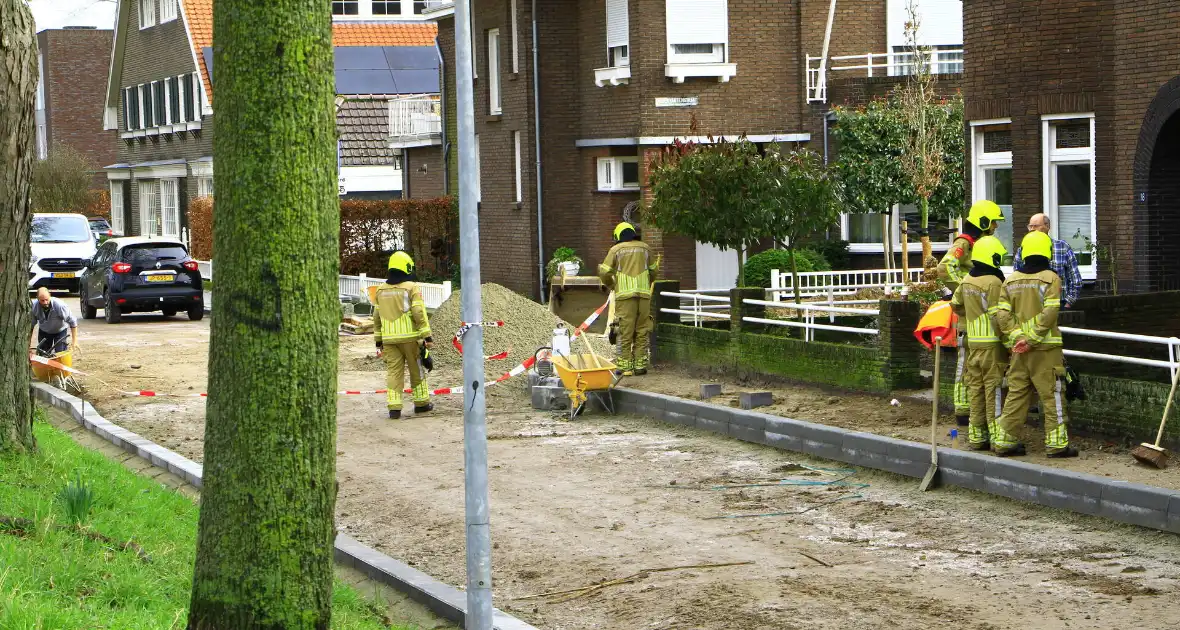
column 1154, row 454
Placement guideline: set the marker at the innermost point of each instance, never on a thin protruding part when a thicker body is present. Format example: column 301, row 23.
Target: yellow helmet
column 989, row 251
column 620, row 228
column 1036, row 244
column 984, row 213
column 402, row 262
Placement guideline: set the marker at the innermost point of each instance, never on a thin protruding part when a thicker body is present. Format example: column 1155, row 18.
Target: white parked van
column 61, row 244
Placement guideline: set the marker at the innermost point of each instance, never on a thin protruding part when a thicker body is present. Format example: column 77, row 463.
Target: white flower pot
column 569, row 268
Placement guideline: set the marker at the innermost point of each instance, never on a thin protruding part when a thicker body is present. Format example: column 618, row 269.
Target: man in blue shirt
column 1064, row 263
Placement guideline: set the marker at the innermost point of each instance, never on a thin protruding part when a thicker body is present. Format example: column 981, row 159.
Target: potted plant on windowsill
column 564, row 262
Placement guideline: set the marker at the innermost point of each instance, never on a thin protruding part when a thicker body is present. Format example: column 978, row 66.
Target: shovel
column 928, row 480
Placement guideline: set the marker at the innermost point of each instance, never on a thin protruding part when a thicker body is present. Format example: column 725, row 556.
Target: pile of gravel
column 528, row 326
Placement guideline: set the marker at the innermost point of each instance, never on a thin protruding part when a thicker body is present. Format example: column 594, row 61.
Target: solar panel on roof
column 377, row 70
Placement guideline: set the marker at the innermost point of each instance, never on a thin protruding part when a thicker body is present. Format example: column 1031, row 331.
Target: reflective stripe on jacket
column 1028, row 308
column 956, row 264
column 976, row 302
column 628, row 269
column 400, row 313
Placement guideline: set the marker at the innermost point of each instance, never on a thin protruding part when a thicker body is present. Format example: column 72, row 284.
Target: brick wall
column 75, row 66
column 428, row 184
column 153, row 54
column 1114, row 58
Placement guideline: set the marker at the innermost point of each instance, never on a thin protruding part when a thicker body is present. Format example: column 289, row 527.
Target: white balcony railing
column 414, row 119
column 895, row 64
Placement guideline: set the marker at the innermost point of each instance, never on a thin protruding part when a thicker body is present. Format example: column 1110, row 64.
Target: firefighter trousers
column 635, row 325
column 982, row 379
column 1040, row 371
column 962, row 400
column 398, row 358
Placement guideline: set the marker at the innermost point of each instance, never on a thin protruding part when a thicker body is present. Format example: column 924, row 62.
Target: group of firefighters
column 403, row 329
column 1007, row 329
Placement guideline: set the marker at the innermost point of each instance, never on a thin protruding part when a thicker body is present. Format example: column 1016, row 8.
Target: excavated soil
column 607, row 497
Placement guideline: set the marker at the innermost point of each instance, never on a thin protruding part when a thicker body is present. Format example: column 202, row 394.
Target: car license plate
column 159, row 278
column 64, row 274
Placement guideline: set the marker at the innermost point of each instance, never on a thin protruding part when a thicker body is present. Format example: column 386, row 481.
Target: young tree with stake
column 802, row 197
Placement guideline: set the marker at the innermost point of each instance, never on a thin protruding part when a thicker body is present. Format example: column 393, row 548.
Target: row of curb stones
column 1126, row 502
column 442, row 599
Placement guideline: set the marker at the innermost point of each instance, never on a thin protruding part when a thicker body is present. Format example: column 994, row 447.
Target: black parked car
column 141, row 275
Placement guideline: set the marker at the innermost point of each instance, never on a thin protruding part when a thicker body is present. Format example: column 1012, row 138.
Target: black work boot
column 1015, row 451
column 981, row 446
column 1068, row 451
column 640, row 371
column 395, row 414
column 963, row 421
column 423, row 408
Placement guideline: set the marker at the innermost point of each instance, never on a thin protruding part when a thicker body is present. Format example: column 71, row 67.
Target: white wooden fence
column 356, row 287
column 834, row 283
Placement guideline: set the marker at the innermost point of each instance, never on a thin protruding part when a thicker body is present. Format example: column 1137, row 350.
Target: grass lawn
column 56, row 578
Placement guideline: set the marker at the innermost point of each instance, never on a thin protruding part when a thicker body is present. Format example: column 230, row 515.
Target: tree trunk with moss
column 18, row 89
column 266, row 533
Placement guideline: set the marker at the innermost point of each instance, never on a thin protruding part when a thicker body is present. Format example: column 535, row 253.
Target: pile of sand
column 528, row 326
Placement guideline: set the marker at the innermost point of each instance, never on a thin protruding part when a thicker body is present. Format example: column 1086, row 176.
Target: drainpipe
column 442, row 112
column 537, row 143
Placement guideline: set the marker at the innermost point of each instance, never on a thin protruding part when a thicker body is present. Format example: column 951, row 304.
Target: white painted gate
column 716, row 269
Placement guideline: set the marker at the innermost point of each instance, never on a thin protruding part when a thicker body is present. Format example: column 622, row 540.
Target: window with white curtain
column 204, row 186
column 167, row 10
column 697, row 31
column 991, row 176
column 865, row 232
column 494, row 101
column 1069, row 187
column 618, row 37
column 515, row 39
column 147, row 13
column 117, row 207
column 149, row 207
column 170, row 208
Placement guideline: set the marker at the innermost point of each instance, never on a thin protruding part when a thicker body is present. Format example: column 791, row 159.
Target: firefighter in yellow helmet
column 628, row 270
column 400, row 324
column 1027, row 316
column 982, row 219
column 976, row 302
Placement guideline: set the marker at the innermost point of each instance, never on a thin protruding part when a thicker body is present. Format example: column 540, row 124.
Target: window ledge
column 618, row 190
column 154, row 131
column 620, row 75
column 678, row 72
column 193, row 126
column 878, row 248
column 494, row 117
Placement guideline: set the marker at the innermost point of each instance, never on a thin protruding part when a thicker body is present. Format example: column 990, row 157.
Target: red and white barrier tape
column 464, row 327
column 349, row 392
column 55, row 364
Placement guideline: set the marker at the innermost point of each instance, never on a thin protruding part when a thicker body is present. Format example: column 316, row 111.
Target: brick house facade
column 1078, row 102
column 605, row 111
column 159, row 106
column 72, row 67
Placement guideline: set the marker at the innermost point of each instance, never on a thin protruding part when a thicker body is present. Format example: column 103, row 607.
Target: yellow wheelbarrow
column 585, row 376
column 57, row 370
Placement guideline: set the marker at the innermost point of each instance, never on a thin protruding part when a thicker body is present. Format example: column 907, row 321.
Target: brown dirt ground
column 606, row 497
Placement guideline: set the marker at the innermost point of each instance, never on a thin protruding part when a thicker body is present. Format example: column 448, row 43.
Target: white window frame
column 610, row 174
column 147, row 14
column 149, row 206
column 205, row 186
column 717, row 56
column 519, row 166
column 117, row 204
column 40, row 81
column 515, row 38
column 1053, row 157
column 168, row 10
column 982, row 162
column 895, row 231
column 495, row 98
column 474, row 51
column 140, row 113
column 612, row 44
column 167, row 103
column 169, row 207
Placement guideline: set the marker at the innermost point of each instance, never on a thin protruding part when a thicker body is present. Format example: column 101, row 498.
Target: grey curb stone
column 444, row 600
column 710, row 390
column 749, row 419
column 1122, row 501
column 716, row 413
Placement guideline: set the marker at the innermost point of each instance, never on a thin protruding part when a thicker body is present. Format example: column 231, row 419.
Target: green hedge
column 759, row 266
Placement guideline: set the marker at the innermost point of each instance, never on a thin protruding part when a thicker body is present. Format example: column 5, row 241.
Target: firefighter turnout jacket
column 956, row 264
column 1028, row 309
column 628, row 270
column 976, row 301
column 400, row 315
